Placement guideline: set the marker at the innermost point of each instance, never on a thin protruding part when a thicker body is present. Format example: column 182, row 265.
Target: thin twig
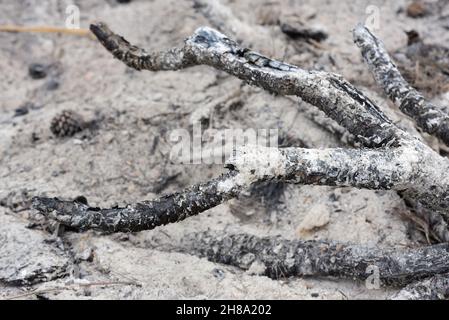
column 45, row 29
column 70, row 287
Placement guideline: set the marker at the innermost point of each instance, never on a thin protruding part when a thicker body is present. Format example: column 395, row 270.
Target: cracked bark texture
column 222, row 19
column 330, row 92
column 286, row 258
column 428, row 117
column 144, row 215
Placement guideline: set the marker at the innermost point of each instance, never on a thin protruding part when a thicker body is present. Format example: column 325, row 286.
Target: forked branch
column 403, row 163
column 391, row 159
column 330, row 92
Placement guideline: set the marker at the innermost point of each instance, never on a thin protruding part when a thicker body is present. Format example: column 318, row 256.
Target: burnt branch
column 401, row 163
column 386, row 169
column 144, row 215
column 335, row 96
column 427, row 116
column 391, row 159
column 137, row 58
column 288, row 258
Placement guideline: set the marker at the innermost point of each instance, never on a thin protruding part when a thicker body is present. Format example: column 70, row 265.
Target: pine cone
column 66, row 124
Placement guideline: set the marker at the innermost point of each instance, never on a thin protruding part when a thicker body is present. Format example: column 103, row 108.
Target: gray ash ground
column 125, row 158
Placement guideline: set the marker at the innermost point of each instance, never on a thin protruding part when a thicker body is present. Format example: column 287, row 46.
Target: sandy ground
column 126, row 157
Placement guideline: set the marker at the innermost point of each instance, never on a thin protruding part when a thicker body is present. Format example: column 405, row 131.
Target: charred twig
column 144, row 215
column 428, row 117
column 391, row 159
column 393, row 168
column 137, row 58
column 45, row 29
column 296, row 31
column 329, row 92
column 286, row 258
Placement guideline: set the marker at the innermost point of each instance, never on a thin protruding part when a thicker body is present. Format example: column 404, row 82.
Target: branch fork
column 390, row 158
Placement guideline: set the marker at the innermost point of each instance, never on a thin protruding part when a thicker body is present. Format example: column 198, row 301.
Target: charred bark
column 401, row 163
column 145, row 215
column 427, row 116
column 288, row 258
column 330, row 92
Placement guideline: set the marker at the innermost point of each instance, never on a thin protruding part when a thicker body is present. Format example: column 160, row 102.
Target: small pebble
column 34, row 137
column 317, row 217
column 416, row 10
column 86, row 255
column 218, row 273
column 37, row 71
column 52, row 85
column 77, row 142
column 22, row 110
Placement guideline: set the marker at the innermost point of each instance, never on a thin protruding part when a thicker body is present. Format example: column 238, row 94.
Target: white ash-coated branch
column 221, row 17
column 412, row 169
column 428, row 117
column 385, row 168
column 279, row 257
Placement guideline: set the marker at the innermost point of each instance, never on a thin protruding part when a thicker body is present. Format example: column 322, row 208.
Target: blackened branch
column 138, row 58
column 286, row 258
column 144, row 215
column 401, row 162
column 391, row 159
column 339, row 99
column 428, row 117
